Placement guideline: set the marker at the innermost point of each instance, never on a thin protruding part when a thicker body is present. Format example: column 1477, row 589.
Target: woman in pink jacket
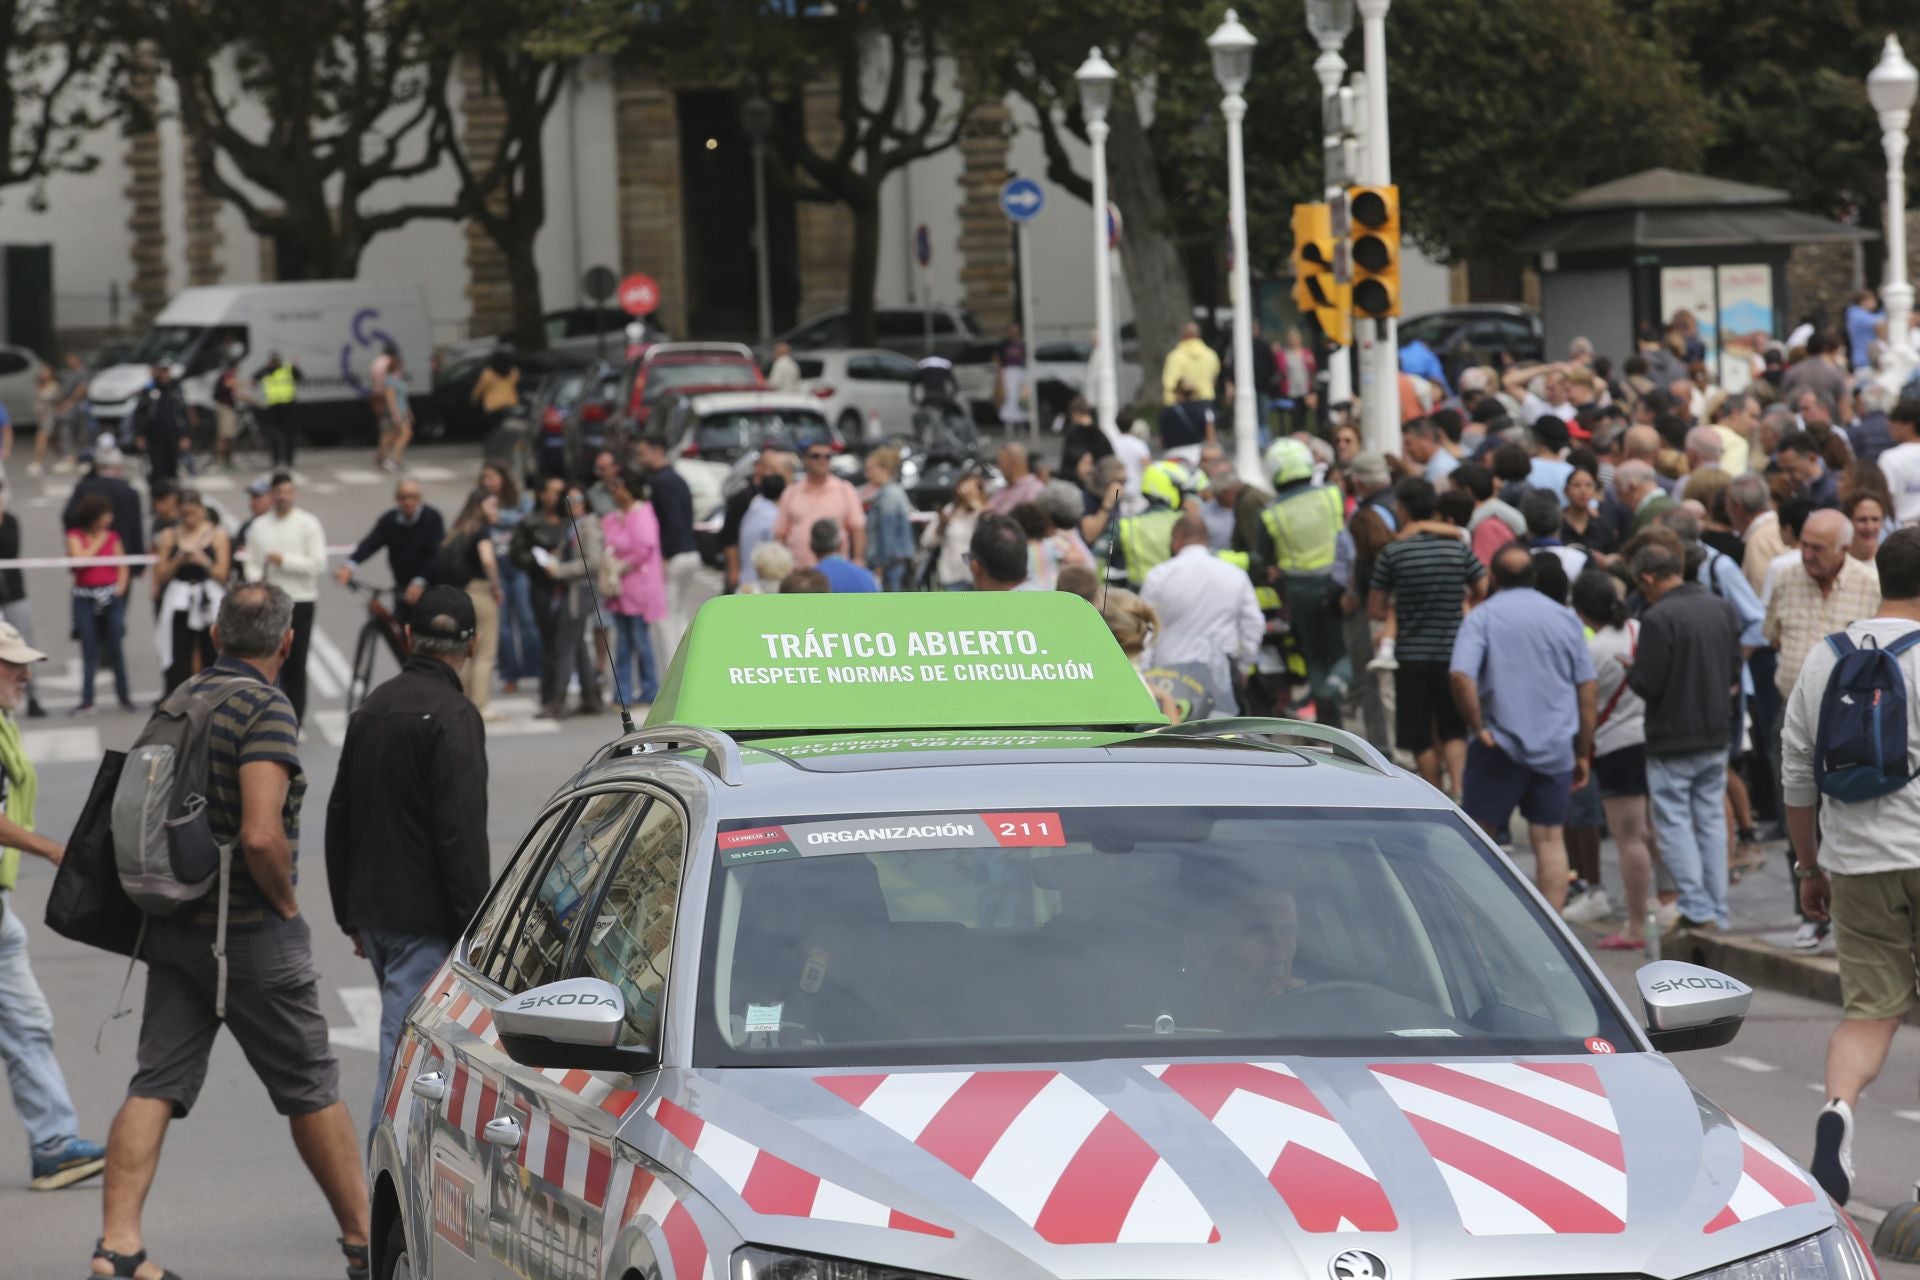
column 633, row 551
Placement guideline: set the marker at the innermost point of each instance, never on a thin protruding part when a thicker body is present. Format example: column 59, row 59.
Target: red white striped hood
column 1608, row 1164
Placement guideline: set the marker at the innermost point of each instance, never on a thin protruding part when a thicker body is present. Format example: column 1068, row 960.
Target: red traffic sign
column 639, row 295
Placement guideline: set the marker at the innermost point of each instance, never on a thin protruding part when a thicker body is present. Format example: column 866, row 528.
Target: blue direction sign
column 1022, row 199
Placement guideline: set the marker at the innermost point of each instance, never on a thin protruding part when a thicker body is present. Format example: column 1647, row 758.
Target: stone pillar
column 824, row 231
column 205, row 239
column 146, row 217
column 652, row 231
column 986, row 242
column 489, row 290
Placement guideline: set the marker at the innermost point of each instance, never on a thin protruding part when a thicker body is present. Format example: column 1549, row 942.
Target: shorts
column 1622, row 772
column 226, row 422
column 1495, row 784
column 1424, row 713
column 1874, row 932
column 273, row 1010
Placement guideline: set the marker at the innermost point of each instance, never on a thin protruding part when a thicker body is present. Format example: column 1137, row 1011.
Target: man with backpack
column 39, row 1089
column 407, row 821
column 1849, row 751
column 229, row 739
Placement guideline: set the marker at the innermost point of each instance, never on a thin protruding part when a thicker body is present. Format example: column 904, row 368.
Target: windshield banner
column 890, row 833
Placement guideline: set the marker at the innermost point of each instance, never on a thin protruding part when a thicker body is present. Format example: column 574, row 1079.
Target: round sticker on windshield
column 1597, row 1045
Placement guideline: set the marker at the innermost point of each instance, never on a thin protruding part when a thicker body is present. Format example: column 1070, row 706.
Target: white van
column 332, row 329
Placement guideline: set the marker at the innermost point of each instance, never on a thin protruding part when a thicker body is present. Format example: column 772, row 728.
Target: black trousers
column 188, row 645
column 548, row 605
column 276, row 424
column 293, row 676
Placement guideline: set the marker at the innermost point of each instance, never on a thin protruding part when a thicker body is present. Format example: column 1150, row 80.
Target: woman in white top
column 1619, row 746
column 952, row 533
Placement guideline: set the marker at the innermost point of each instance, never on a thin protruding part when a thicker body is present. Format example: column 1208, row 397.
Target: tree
column 524, row 51
column 1786, row 85
column 888, row 63
column 349, row 91
column 56, row 61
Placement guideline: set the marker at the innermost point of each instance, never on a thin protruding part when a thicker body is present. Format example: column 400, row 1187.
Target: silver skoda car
column 1233, row 1001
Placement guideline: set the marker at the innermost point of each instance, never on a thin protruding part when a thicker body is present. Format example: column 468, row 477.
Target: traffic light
column 1375, row 250
column 1315, row 291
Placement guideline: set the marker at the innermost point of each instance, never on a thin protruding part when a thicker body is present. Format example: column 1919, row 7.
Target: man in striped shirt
column 255, row 786
column 1430, row 573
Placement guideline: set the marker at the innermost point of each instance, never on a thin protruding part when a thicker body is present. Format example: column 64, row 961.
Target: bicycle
column 248, row 452
column 380, row 629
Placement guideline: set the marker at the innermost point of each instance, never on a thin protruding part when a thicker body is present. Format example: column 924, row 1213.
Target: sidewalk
column 1757, row 948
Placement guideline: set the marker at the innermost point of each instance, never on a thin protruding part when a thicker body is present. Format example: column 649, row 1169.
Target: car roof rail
column 1341, row 743
column 722, row 758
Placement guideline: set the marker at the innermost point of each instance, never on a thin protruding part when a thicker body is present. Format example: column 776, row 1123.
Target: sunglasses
column 819, row 455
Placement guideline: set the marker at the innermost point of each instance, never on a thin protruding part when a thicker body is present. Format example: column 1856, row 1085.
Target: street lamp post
column 1232, row 48
column 1330, row 22
column 1381, row 388
column 1890, row 88
column 1095, row 77
column 756, row 120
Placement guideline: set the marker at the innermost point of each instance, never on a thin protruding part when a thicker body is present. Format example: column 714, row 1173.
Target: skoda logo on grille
column 1357, row 1264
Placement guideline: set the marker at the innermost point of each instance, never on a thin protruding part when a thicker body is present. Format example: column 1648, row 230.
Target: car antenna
column 1113, row 540
column 600, row 625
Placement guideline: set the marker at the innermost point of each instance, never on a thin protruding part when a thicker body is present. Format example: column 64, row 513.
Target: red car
column 685, row 368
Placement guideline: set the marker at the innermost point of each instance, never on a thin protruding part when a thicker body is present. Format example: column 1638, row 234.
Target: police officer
column 1146, row 540
column 279, row 382
column 1301, row 527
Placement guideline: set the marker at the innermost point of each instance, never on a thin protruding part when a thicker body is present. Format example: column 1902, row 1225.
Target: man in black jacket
column 407, row 822
column 160, row 426
column 411, row 533
column 1686, row 668
column 673, row 504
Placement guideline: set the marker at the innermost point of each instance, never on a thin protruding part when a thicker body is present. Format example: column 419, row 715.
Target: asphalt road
column 232, row 1200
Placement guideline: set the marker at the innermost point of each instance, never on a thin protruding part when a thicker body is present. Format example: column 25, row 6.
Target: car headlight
column 751, row 1263
column 1834, row 1254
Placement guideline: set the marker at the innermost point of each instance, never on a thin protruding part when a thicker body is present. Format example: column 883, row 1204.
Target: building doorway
column 716, row 184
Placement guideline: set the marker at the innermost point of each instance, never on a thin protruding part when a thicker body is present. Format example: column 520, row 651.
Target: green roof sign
column 921, row 660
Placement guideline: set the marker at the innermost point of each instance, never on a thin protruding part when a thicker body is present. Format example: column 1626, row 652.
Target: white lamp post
column 1232, row 48
column 756, row 121
column 1095, row 77
column 1891, row 87
column 1381, row 391
column 1329, row 22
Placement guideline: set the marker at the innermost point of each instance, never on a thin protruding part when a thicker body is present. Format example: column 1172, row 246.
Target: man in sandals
column 255, row 787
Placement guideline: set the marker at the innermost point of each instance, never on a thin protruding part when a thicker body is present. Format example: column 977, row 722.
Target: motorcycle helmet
column 1288, row 461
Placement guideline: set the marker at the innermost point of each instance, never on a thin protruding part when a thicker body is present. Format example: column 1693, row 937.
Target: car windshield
column 168, row 344
column 663, row 376
column 733, row 433
column 904, row 938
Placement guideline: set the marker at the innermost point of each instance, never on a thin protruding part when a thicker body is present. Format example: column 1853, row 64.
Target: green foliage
column 1787, row 87
column 57, row 59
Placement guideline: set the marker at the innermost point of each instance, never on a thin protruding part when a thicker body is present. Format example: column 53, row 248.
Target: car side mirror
column 573, row 1025
column 1689, row 1006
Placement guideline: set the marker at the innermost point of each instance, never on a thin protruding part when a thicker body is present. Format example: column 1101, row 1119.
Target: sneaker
column 1667, row 915
column 1591, row 907
column 1810, row 935
column 1384, row 662
column 75, row 1162
column 1832, row 1163
column 84, row 709
column 33, row 469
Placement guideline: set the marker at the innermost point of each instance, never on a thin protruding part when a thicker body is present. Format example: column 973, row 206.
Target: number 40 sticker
column 1025, row 830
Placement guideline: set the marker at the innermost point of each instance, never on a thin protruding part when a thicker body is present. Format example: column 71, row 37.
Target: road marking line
column 520, row 728
column 331, row 724
column 430, row 474
column 60, row 746
column 363, row 1006
column 1909, row 1115
column 1748, row 1064
column 1817, row 1088
column 351, row 475
column 321, row 646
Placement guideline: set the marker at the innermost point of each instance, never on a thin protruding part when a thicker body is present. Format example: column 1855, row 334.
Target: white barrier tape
column 94, row 562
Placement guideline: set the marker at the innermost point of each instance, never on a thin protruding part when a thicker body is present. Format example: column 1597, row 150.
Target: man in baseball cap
column 407, row 822
column 40, row 1096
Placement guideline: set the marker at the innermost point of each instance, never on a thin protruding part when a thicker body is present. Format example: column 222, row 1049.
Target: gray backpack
column 163, row 842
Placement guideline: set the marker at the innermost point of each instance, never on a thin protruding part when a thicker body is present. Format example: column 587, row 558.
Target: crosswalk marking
column 1749, row 1064
column 355, row 475
column 431, row 474
column 61, row 746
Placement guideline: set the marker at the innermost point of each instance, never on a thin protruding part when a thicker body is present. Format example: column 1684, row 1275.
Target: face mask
column 772, row 487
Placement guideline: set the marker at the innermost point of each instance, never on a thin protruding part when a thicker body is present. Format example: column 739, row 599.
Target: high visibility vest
column 278, row 387
column 1305, row 526
column 1147, row 540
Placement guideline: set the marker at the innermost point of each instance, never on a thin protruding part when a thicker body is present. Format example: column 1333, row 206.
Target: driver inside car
column 1245, row 961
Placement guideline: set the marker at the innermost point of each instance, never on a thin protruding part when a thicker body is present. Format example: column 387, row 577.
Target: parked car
column 912, row 331
column 582, row 423
column 1060, row 372
column 19, row 368
column 710, row 434
column 449, row 411
column 574, row 330
column 684, row 368
column 1490, row 333
column 854, row 385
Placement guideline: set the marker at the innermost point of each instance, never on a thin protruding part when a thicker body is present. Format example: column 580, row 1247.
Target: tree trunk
column 1156, row 279
column 864, row 276
column 523, row 274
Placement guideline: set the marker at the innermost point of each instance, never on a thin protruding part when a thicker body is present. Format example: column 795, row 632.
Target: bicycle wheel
column 365, row 653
